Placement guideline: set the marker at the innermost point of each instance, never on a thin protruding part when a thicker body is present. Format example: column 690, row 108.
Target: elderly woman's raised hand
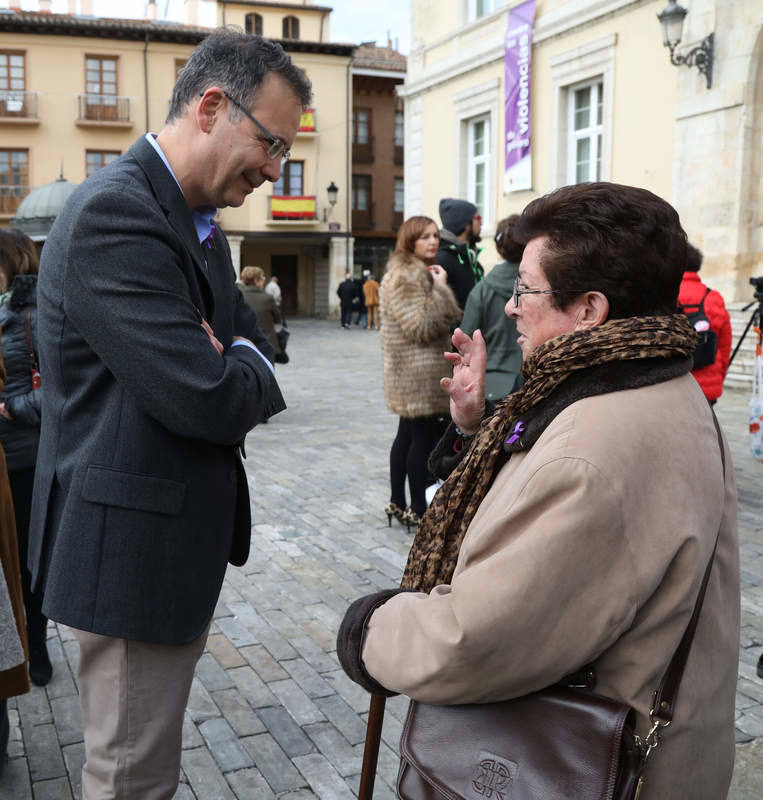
column 467, row 386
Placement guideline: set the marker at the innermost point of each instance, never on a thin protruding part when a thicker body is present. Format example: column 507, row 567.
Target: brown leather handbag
column 556, row 744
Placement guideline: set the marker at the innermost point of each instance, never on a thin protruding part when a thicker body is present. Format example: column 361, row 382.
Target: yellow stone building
column 77, row 90
column 605, row 104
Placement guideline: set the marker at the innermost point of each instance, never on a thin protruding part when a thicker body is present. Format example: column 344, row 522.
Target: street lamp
column 332, row 191
column 701, row 57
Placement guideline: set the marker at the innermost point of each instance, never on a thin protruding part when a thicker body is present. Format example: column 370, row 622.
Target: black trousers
column 22, row 482
column 415, row 440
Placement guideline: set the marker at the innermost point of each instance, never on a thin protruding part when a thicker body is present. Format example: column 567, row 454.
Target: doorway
column 285, row 267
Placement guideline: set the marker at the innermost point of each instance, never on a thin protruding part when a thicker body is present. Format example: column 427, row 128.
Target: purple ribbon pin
column 518, row 428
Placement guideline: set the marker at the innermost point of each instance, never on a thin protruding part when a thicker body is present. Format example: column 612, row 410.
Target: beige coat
column 590, row 547
column 417, row 314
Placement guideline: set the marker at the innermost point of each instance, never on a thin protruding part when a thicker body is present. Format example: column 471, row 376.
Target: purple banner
column 519, row 31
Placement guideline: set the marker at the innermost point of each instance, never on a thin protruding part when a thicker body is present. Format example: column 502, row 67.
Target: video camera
column 758, row 284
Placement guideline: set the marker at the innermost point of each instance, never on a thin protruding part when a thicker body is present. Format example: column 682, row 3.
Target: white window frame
column 482, row 101
column 491, row 6
column 592, row 132
column 473, row 161
column 589, row 63
column 399, row 194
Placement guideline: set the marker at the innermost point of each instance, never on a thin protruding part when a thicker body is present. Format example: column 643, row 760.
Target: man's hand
column 215, row 341
column 467, row 386
column 4, row 412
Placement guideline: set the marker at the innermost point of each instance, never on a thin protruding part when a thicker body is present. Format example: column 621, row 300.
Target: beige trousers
column 133, row 696
column 373, row 316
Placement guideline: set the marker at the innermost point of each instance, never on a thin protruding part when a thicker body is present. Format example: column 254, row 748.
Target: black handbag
column 283, row 337
column 556, row 744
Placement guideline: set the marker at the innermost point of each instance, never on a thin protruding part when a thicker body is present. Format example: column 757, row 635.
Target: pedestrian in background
column 457, row 253
column 418, row 309
column 576, row 527
column 274, row 290
column 155, row 371
column 20, row 404
column 262, row 303
column 359, row 301
column 486, row 310
column 347, row 291
column 692, row 294
column 371, row 296
column 14, row 679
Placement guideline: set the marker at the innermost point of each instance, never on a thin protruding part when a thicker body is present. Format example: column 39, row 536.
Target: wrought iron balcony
column 364, row 219
column 103, row 108
column 18, row 105
column 363, row 153
column 11, row 196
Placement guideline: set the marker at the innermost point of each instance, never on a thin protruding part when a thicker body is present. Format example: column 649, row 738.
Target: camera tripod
column 755, row 317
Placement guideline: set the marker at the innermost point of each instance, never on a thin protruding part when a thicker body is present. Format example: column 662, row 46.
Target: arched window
column 253, row 23
column 290, row 28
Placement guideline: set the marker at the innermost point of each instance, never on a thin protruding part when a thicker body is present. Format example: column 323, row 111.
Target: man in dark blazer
column 155, row 370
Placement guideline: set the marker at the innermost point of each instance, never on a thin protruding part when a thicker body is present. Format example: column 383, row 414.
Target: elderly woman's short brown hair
column 622, row 241
column 250, row 275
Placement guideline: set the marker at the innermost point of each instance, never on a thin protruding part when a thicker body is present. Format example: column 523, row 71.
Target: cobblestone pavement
column 271, row 714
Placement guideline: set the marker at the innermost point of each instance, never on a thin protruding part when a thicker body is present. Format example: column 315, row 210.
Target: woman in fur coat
column 418, row 310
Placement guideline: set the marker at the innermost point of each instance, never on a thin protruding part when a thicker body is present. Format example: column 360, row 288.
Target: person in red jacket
column 710, row 377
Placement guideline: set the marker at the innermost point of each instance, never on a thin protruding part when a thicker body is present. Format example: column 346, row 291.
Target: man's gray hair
column 238, row 63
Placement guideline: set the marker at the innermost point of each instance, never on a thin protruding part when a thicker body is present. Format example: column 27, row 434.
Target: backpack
column 707, row 339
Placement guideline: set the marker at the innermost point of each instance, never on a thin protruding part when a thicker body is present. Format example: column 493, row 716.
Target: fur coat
column 417, row 315
column 13, row 671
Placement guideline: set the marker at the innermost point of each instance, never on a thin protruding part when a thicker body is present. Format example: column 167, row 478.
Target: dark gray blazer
column 140, row 497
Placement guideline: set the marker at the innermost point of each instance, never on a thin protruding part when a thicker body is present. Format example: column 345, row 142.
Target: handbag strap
column 29, row 342
column 666, row 695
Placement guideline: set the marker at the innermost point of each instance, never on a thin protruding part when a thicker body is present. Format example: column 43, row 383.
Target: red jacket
column 710, row 378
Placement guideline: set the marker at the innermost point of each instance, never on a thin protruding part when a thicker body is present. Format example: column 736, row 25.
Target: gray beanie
column 456, row 214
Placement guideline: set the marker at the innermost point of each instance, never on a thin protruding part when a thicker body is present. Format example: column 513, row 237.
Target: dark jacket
column 461, row 264
column 14, row 678
column 264, row 306
column 140, row 496
column 347, row 291
column 486, row 310
column 20, row 436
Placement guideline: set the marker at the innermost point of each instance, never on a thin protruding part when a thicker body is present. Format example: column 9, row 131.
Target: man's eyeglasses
column 519, row 292
column 277, row 147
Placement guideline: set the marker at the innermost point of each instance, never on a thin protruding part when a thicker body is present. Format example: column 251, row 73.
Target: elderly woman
column 262, row 302
column 578, row 523
column 418, row 310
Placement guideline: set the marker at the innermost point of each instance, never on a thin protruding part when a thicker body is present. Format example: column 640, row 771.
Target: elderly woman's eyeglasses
column 518, row 292
column 276, row 146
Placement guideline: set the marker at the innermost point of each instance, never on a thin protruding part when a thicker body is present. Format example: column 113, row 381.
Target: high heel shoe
column 411, row 518
column 393, row 510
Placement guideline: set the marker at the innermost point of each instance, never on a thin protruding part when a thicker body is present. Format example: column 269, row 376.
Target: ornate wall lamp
column 701, row 56
column 332, row 191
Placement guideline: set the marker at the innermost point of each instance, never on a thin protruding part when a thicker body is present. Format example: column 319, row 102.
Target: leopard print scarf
column 434, row 552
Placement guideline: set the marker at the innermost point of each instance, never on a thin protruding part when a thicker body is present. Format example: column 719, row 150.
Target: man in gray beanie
column 461, row 225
